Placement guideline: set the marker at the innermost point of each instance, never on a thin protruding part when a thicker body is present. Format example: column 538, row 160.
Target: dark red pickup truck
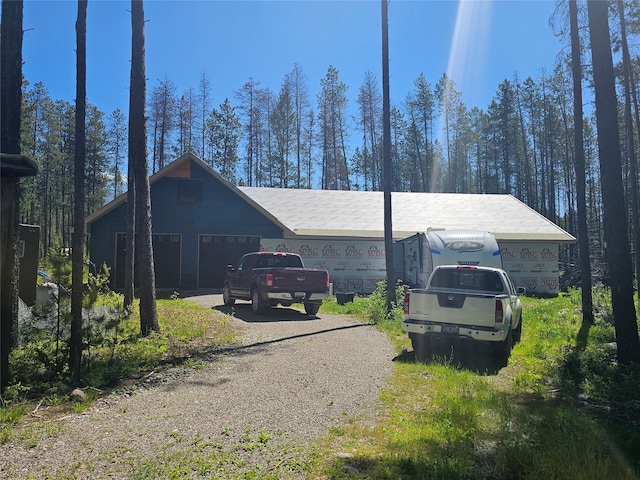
column 271, row 278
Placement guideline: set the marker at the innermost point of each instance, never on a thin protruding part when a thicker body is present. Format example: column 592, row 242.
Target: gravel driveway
column 257, row 406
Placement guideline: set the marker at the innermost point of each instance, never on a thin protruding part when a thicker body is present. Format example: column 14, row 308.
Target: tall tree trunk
column 343, row 147
column 386, row 149
column 631, row 151
column 614, row 217
column 138, row 154
column 10, row 111
column 130, row 244
column 525, row 145
column 130, row 239
column 583, row 232
column 77, row 253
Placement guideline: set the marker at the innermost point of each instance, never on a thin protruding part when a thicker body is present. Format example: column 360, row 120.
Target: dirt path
column 290, row 380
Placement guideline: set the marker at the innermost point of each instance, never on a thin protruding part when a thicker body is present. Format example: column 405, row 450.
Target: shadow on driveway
column 239, row 348
column 242, row 311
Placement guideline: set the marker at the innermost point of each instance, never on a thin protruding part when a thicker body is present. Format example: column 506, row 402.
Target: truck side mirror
column 521, row 290
column 230, row 268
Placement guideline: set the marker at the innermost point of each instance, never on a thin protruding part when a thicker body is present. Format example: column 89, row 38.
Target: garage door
column 166, row 256
column 215, row 252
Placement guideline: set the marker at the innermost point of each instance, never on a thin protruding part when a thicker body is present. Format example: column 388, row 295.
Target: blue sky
column 479, row 43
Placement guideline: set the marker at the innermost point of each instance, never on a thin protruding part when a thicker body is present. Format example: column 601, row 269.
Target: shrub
column 377, row 310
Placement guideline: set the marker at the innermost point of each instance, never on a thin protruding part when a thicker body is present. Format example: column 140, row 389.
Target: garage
column 201, row 224
column 215, row 252
column 167, row 254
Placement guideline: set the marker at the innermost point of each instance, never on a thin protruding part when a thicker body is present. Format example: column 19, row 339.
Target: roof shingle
column 361, row 214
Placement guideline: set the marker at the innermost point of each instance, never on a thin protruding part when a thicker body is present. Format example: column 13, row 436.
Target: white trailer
column 416, row 256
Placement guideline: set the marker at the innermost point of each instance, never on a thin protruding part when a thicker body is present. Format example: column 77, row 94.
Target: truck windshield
column 480, row 280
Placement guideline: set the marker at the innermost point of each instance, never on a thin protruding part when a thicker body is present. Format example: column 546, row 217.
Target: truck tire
column 420, row 343
column 226, row 296
column 311, row 308
column 503, row 348
column 517, row 332
column 257, row 306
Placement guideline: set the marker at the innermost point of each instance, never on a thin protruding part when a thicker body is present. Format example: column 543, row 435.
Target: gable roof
column 176, row 168
column 348, row 213
column 361, row 214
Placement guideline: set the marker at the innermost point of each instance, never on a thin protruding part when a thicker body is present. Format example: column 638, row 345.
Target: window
column 468, row 280
column 279, row 261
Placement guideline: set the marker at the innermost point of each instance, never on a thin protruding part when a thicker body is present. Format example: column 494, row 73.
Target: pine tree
column 301, row 105
column 282, row 123
column 223, row 134
column 615, row 221
column 77, row 256
column 204, row 99
column 370, row 120
column 117, row 147
column 163, row 114
column 448, row 99
column 138, row 156
column 332, row 113
column 248, row 98
column 583, row 235
column 10, row 107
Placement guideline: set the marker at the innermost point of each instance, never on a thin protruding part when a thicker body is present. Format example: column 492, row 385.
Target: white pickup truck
column 478, row 303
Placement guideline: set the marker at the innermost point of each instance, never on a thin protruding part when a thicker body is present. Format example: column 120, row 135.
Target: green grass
column 187, row 331
column 257, row 455
column 115, row 352
column 9, row 417
column 358, row 308
column 539, row 418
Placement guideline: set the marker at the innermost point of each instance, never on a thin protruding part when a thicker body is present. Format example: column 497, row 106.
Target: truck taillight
column 405, row 304
column 327, row 281
column 269, row 279
column 499, row 312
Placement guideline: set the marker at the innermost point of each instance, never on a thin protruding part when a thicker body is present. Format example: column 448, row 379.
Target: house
column 201, row 223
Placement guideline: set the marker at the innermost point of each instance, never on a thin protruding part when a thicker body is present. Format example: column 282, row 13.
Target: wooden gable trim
column 182, row 170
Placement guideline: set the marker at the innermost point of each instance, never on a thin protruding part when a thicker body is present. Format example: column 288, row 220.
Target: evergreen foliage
column 520, row 144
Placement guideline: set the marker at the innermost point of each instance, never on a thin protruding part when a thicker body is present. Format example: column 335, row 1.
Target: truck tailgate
column 453, row 308
column 302, row 279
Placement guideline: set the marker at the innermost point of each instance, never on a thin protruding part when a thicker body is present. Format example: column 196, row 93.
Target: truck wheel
column 420, row 343
column 503, row 348
column 226, row 296
column 517, row 333
column 311, row 308
column 257, row 306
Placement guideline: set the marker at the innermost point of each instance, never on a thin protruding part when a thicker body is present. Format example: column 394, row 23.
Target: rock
column 350, row 470
column 344, row 455
column 77, row 395
column 47, row 294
